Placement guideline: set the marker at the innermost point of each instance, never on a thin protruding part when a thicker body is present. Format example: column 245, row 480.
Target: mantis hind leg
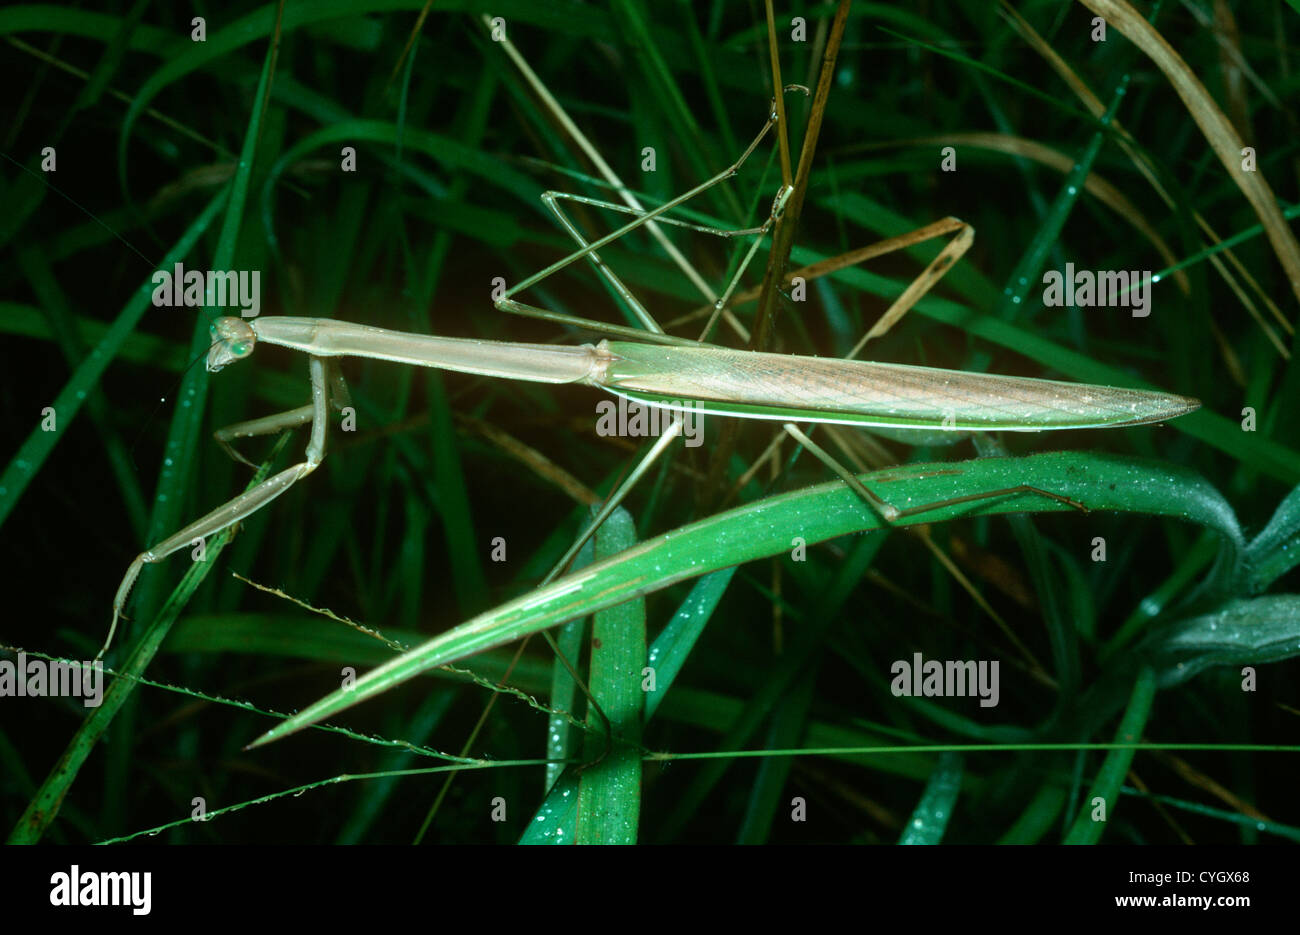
column 890, row 513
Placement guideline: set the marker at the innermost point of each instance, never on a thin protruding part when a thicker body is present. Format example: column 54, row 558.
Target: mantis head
column 233, row 339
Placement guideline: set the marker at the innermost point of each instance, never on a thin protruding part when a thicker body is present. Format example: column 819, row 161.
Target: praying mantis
column 745, row 384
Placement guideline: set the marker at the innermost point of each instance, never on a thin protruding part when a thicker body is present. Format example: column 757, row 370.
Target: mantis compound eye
column 233, row 339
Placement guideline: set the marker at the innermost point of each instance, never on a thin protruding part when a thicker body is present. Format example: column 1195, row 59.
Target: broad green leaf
column 817, row 514
column 609, row 791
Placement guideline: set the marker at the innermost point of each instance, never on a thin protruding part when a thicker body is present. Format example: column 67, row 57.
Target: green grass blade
column 673, row 645
column 556, row 820
column 1038, row 817
column 1028, row 271
column 930, row 819
column 564, row 690
column 44, row 806
column 27, row 462
column 778, row 679
column 57, row 306
column 1246, row 632
column 1276, row 550
column 1248, row 823
column 609, row 793
column 191, row 396
column 789, row 722
column 1105, row 788
column 822, row 512
column 88, row 24
column 559, row 732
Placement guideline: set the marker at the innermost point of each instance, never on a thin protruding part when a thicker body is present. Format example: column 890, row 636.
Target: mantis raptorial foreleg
column 339, row 397
column 253, row 500
column 266, row 425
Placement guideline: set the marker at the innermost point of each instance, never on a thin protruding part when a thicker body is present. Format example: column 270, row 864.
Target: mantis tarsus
column 717, row 380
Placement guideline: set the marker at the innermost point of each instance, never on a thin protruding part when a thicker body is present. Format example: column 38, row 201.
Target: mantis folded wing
column 747, row 384
column 819, row 389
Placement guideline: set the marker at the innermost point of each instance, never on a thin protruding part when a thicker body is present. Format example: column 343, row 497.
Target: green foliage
column 774, row 605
